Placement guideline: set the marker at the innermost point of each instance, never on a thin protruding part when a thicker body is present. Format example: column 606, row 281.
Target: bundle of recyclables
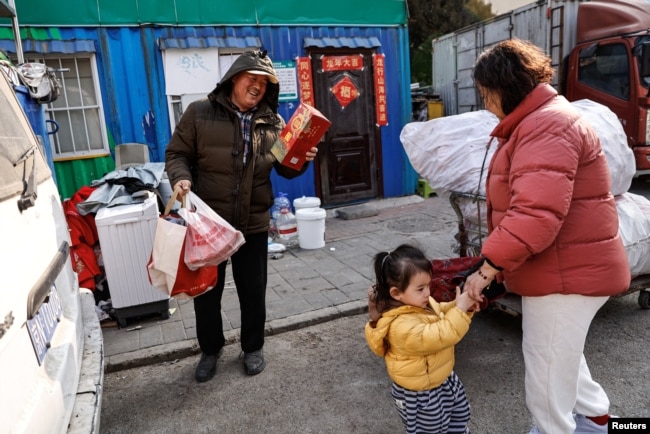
column 188, row 246
column 448, row 152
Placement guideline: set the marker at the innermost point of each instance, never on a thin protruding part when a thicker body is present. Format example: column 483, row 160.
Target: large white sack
column 634, row 227
column 620, row 157
column 448, row 151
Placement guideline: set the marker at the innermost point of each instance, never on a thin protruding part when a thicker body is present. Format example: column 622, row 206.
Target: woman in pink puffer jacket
column 553, row 232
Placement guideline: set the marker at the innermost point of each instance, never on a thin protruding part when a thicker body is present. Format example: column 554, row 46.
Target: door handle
column 41, row 289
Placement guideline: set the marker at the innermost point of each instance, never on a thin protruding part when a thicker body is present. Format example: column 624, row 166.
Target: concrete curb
column 377, row 204
column 188, row 348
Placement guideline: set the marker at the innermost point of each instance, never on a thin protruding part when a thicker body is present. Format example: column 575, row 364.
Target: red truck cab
column 610, row 64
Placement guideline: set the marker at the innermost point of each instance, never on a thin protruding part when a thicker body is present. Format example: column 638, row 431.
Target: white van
column 51, row 347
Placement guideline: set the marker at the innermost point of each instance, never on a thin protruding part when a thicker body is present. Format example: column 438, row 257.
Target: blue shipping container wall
column 132, row 81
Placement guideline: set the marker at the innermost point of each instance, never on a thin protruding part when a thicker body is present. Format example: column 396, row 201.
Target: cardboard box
column 303, row 131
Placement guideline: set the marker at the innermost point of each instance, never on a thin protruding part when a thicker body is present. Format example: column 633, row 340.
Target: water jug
column 281, row 201
column 287, row 226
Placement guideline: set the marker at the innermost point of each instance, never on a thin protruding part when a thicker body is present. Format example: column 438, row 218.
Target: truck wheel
column 644, row 299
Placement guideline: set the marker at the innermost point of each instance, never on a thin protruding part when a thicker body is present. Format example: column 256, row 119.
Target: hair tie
column 385, row 257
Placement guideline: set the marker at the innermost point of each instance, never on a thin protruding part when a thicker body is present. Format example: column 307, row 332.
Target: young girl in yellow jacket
column 416, row 337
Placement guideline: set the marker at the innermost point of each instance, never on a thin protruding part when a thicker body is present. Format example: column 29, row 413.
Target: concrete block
column 357, row 211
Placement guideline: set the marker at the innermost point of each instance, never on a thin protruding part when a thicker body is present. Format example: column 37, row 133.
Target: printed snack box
column 303, row 131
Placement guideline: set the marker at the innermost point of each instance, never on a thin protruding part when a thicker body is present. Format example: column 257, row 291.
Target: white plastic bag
column 620, row 157
column 448, row 152
column 634, row 228
column 166, row 267
column 210, row 239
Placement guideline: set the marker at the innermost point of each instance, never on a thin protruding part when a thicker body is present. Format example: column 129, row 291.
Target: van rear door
column 41, row 316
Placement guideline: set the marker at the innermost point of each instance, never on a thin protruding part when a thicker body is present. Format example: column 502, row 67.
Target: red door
column 349, row 156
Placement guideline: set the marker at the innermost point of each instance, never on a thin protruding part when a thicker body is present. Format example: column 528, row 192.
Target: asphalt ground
column 320, row 375
column 323, row 378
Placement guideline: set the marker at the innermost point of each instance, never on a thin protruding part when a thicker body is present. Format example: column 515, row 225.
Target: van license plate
column 42, row 326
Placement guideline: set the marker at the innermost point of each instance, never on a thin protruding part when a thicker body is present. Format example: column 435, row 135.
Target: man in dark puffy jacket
column 221, row 150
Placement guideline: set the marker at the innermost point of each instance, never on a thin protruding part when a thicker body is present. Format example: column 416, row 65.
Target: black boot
column 254, row 362
column 207, row 367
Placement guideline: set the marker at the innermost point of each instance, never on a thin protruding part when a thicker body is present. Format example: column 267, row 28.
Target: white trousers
column 558, row 381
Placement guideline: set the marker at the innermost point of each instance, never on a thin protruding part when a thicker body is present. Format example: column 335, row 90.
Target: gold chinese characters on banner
column 305, row 82
column 380, row 89
column 342, row 63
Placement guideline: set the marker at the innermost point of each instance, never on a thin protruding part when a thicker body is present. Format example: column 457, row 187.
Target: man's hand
column 183, row 187
column 311, row 154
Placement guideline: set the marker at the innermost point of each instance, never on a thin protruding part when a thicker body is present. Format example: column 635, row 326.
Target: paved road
column 324, row 379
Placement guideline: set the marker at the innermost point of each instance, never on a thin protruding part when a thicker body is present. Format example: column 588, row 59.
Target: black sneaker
column 206, row 368
column 254, row 362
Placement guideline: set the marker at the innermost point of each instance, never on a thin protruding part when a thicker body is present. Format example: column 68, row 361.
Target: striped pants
column 444, row 409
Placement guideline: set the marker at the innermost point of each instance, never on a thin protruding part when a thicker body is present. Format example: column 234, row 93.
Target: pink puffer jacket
column 552, row 219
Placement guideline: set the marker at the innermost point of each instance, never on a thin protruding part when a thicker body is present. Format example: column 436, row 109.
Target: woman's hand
column 183, row 187
column 476, row 282
column 311, row 154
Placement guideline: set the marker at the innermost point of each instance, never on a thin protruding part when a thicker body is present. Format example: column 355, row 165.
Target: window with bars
column 78, row 111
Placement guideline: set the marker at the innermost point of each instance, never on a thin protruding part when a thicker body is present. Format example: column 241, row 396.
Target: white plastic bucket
column 305, row 202
column 311, row 227
column 165, row 190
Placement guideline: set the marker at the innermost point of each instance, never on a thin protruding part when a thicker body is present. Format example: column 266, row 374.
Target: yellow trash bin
column 435, row 109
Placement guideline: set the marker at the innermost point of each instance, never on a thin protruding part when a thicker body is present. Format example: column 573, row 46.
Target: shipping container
column 131, row 71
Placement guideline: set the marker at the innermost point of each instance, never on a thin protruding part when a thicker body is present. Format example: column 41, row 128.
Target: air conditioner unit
column 131, row 154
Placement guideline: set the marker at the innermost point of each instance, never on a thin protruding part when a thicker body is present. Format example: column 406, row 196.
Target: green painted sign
column 288, row 80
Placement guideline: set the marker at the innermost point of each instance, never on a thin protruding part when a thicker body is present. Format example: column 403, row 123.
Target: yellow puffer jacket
column 418, row 344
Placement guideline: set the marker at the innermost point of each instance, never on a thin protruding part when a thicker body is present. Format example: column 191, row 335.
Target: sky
column 502, row 6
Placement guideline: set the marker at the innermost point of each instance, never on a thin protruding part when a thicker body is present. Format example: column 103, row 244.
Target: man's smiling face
column 248, row 90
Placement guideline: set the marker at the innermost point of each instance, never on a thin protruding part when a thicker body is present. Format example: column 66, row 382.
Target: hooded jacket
column 552, row 220
column 418, row 344
column 207, row 148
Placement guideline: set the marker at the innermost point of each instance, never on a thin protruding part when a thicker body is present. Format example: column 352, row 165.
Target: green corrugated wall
column 71, row 175
column 210, row 12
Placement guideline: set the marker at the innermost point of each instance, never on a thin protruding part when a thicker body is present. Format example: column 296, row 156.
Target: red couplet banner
column 342, row 63
column 305, row 82
column 380, row 89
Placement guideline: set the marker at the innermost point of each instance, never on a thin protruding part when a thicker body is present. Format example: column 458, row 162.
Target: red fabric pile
column 83, row 235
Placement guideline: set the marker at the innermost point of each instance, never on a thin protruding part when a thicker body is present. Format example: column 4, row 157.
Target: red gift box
column 303, row 131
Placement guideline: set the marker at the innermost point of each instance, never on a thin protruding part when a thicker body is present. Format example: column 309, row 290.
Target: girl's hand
column 465, row 302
